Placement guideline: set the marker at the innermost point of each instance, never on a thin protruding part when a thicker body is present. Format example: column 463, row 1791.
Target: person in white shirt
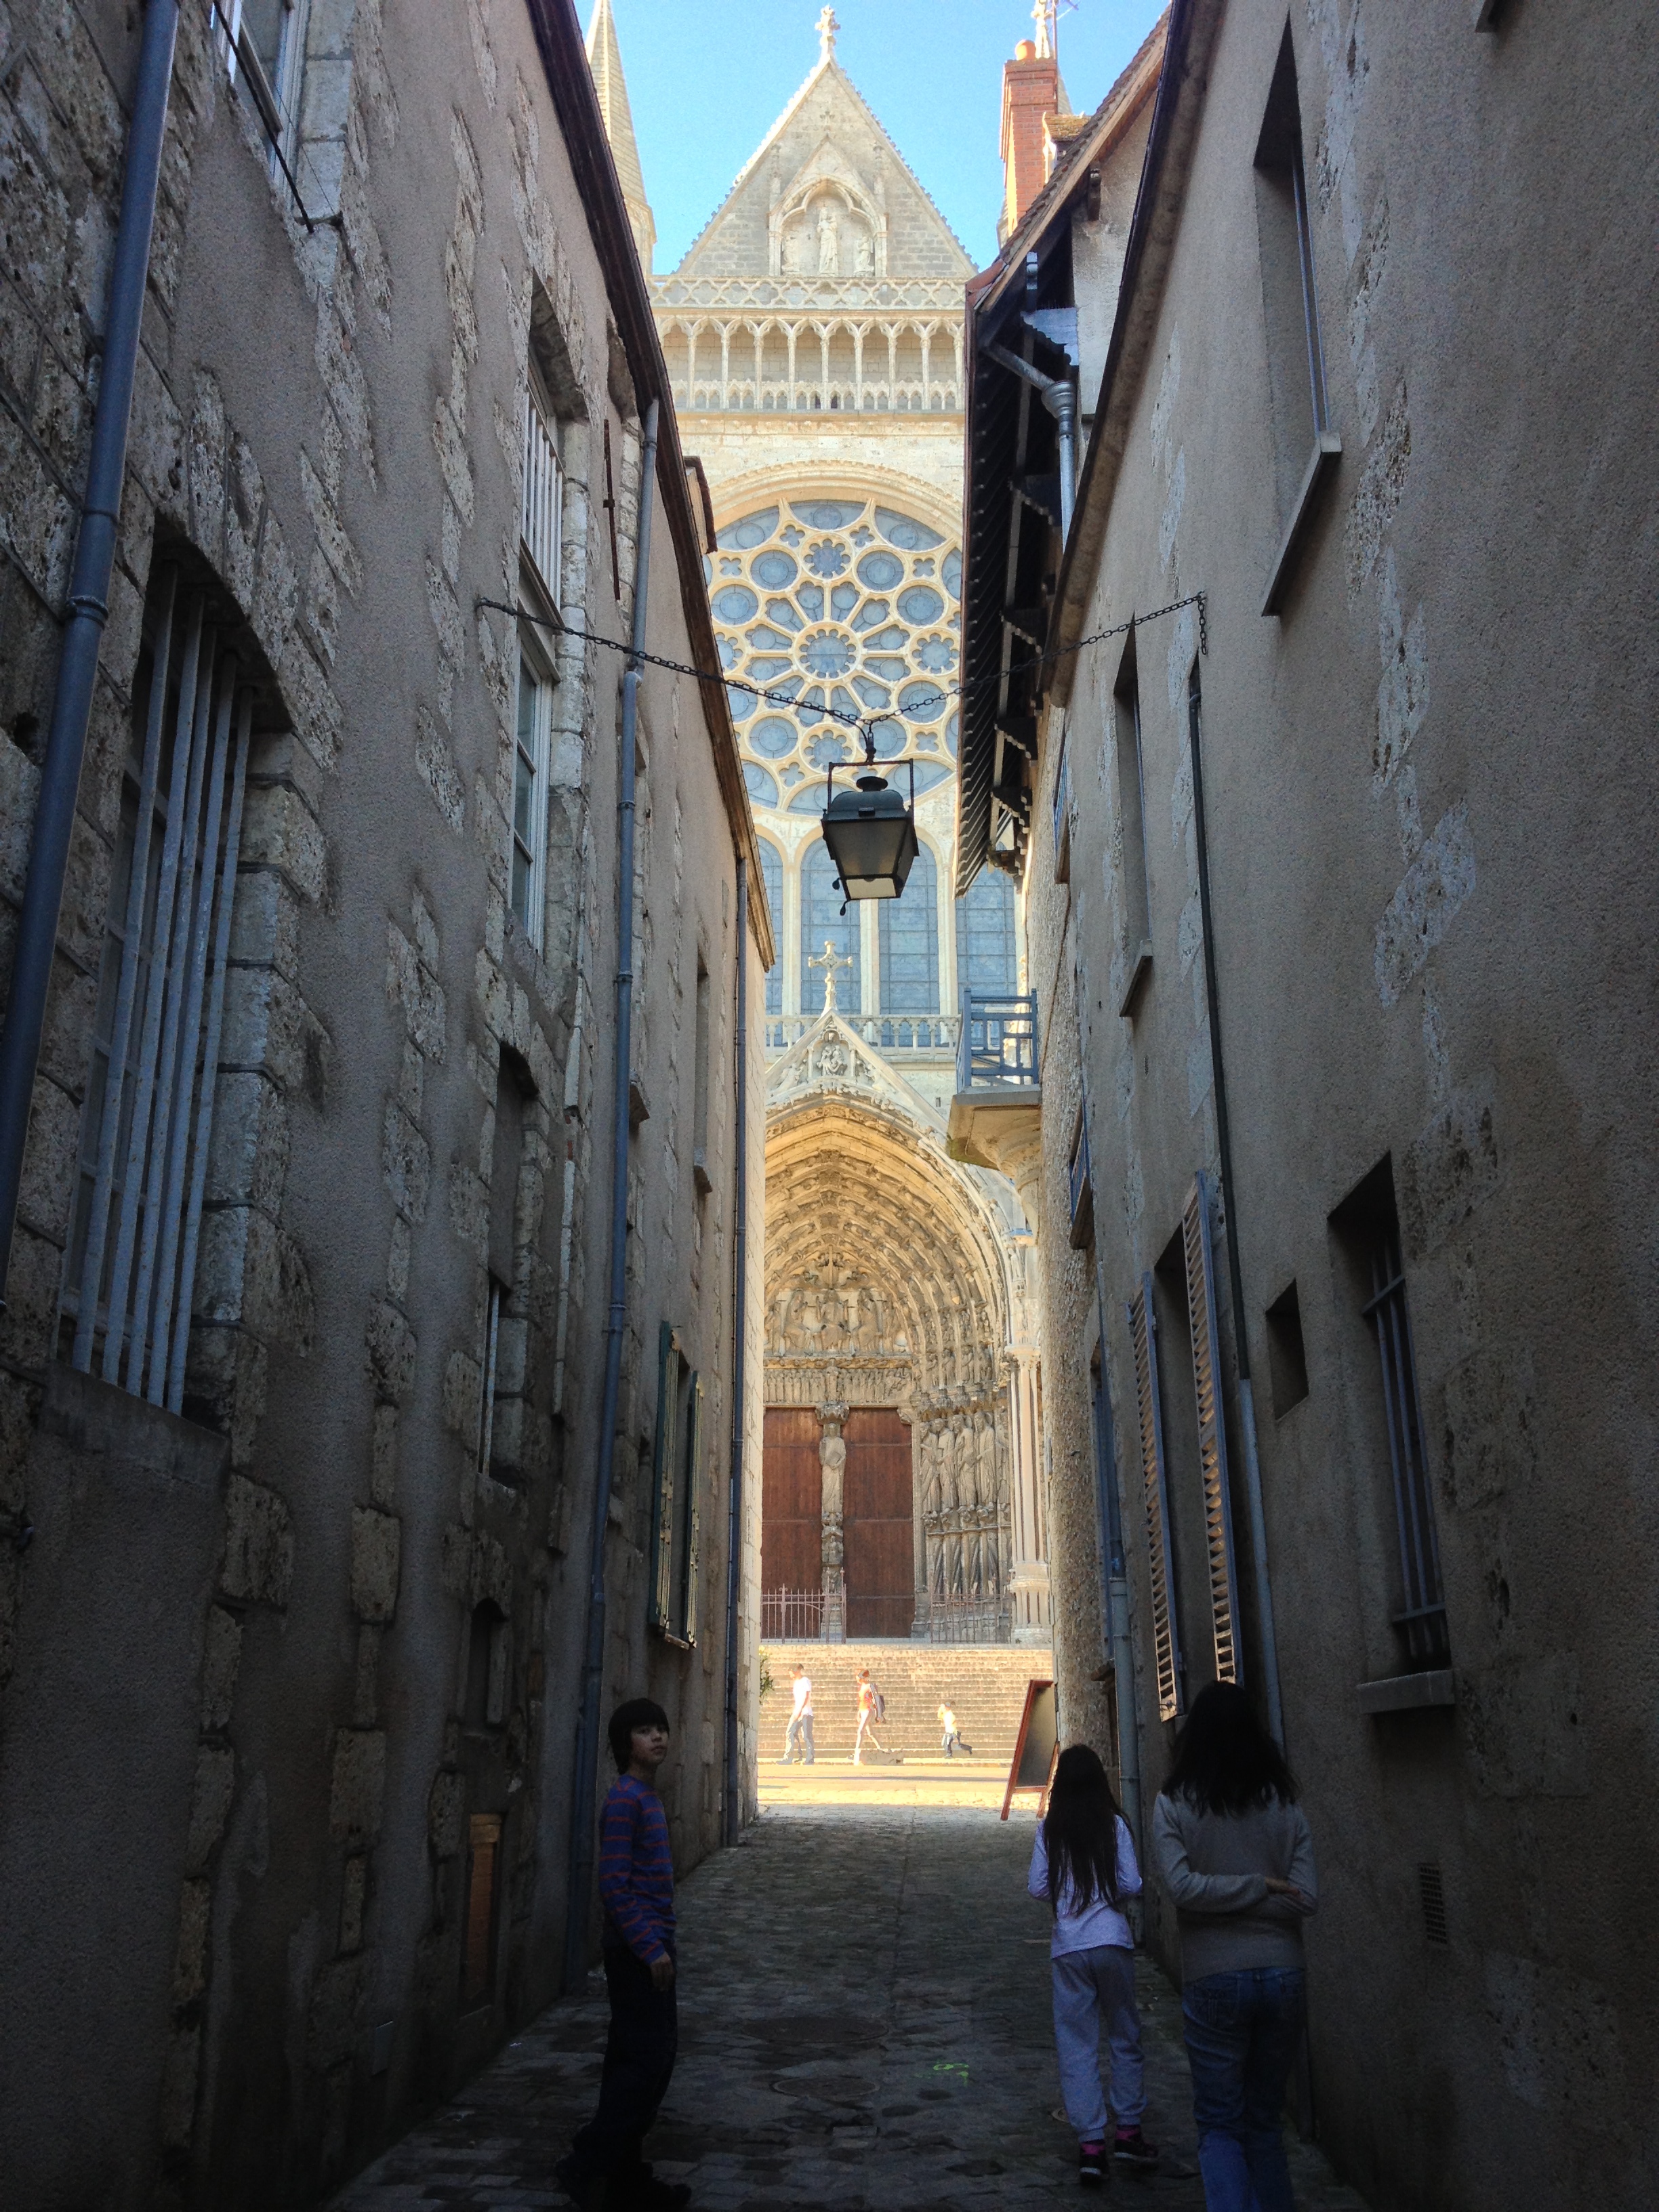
column 1083, row 1867
column 798, row 1734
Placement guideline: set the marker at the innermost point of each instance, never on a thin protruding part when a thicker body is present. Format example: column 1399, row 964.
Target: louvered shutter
column 662, row 1484
column 1212, row 1430
column 1166, row 1632
column 693, row 1484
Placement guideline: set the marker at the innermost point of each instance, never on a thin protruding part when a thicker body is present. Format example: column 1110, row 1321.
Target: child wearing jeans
column 1083, row 1866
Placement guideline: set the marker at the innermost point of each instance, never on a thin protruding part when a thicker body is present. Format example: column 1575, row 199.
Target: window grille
column 1432, row 1889
column 529, row 800
column 129, row 1269
column 1421, row 1619
column 1195, row 1236
column 540, row 522
column 1166, row 1632
column 674, row 1483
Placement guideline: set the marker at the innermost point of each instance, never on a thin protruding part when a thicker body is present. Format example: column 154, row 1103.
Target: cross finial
column 827, row 27
column 830, row 962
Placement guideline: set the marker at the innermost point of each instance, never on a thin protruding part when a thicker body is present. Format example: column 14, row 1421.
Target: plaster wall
column 329, row 421
column 1428, row 828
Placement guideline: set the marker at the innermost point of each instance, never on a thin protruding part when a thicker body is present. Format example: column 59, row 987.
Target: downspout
column 739, row 1321
column 88, row 605
column 584, row 1779
column 1264, row 1596
column 1109, row 1520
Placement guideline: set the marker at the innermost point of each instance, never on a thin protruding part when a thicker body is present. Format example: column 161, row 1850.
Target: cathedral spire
column 604, row 60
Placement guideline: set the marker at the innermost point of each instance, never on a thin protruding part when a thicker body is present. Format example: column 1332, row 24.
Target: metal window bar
column 539, row 521
column 1211, row 1430
column 1062, row 813
column 1166, row 1629
column 147, row 1127
column 1421, row 1619
column 1309, row 303
column 1077, row 1174
column 998, row 1041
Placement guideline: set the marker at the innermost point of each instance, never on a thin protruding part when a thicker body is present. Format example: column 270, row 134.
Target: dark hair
column 1080, row 1831
column 1225, row 1759
column 638, row 1712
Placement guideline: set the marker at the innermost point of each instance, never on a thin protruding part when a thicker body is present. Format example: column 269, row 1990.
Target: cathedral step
column 985, row 1685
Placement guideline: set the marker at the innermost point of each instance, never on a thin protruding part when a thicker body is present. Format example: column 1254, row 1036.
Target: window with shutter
column 686, row 1625
column 1212, row 1430
column 662, row 1482
column 1166, row 1633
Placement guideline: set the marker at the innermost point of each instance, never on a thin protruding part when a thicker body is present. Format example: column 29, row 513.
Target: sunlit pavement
column 864, row 2009
column 961, row 1784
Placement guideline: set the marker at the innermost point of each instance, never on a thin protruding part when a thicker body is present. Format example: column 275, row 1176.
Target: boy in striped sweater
column 636, row 1888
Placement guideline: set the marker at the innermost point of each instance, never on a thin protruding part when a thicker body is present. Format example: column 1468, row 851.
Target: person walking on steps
column 950, row 1741
column 873, row 1707
column 604, row 2166
column 798, row 1734
column 1084, row 1866
column 1236, row 1854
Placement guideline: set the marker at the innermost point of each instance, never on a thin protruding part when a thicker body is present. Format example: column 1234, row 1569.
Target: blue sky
column 707, row 79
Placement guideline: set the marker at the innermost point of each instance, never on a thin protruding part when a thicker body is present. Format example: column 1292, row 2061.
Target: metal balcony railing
column 999, row 1041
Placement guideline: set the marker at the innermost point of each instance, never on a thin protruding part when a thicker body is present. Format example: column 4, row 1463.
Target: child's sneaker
column 1091, row 2164
column 1131, row 2147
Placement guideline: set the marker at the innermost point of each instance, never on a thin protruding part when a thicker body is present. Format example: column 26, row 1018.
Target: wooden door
column 791, row 1500
column 881, row 1596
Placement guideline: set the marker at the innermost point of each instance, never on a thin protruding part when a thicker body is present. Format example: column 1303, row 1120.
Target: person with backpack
column 872, row 1708
column 1083, row 1867
column 1235, row 1851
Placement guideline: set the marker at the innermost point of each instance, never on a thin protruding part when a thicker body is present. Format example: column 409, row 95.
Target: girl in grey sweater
column 1234, row 1850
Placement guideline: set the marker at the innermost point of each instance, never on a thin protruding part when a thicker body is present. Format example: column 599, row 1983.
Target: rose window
column 837, row 608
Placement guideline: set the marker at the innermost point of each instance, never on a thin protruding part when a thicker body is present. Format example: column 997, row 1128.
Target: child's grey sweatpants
column 1094, row 1989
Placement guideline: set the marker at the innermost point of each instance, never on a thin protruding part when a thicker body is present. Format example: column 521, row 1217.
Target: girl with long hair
column 1235, row 1852
column 1083, row 1867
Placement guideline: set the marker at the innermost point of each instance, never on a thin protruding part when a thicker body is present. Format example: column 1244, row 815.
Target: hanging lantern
column 871, row 833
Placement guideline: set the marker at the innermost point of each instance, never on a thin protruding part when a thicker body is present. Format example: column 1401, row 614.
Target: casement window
column 541, row 522
column 1155, row 1490
column 1135, row 888
column 533, row 723
column 1062, row 811
column 501, row 1406
column 478, row 1947
column 1367, row 1225
column 1306, row 448
column 700, row 1077
column 494, row 1301
column 1081, row 1184
column 676, row 1472
column 1199, row 1256
column 130, row 1268
column 264, row 45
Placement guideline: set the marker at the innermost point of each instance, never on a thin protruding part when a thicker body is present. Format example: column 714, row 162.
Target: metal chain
column 865, row 725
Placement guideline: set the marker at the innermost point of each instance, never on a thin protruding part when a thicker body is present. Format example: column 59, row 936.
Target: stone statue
column 947, row 1470
column 832, row 1462
column 985, row 1451
column 829, row 241
column 863, row 255
column 870, row 1330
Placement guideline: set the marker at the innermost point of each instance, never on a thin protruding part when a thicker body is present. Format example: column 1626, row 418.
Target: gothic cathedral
column 814, row 338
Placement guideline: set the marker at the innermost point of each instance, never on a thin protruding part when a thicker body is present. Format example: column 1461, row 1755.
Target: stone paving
column 864, row 2023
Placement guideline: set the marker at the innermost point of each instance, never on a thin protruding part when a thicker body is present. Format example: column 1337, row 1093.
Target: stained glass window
column 772, row 873
column 909, row 943
column 822, row 921
column 986, row 957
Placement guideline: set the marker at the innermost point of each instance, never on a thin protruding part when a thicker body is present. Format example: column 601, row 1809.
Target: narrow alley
column 863, row 2021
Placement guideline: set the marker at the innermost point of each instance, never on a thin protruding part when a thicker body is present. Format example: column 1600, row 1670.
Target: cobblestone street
column 864, row 2011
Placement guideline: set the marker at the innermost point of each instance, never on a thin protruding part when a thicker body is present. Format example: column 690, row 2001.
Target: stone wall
column 359, row 1642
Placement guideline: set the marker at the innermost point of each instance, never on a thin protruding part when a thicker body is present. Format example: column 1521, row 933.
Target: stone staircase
column 985, row 1683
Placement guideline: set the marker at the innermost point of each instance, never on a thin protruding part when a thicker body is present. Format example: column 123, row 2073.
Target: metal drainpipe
column 733, row 1821
column 1109, row 1517
column 1264, row 1596
column 1060, row 397
column 585, row 1779
column 89, row 605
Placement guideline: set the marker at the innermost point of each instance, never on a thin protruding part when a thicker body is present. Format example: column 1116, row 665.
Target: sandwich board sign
column 1036, row 1748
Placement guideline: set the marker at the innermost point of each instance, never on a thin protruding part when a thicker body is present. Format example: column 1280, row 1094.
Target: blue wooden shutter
column 1212, row 1429
column 1166, row 1632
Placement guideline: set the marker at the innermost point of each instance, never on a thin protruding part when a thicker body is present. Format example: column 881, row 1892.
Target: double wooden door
column 878, row 1523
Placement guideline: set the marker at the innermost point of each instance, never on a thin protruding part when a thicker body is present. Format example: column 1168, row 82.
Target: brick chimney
column 1030, row 90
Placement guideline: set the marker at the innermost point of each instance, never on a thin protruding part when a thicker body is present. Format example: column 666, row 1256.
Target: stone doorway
column 878, row 1524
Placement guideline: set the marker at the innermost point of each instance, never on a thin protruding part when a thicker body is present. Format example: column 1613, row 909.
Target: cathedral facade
column 813, row 333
